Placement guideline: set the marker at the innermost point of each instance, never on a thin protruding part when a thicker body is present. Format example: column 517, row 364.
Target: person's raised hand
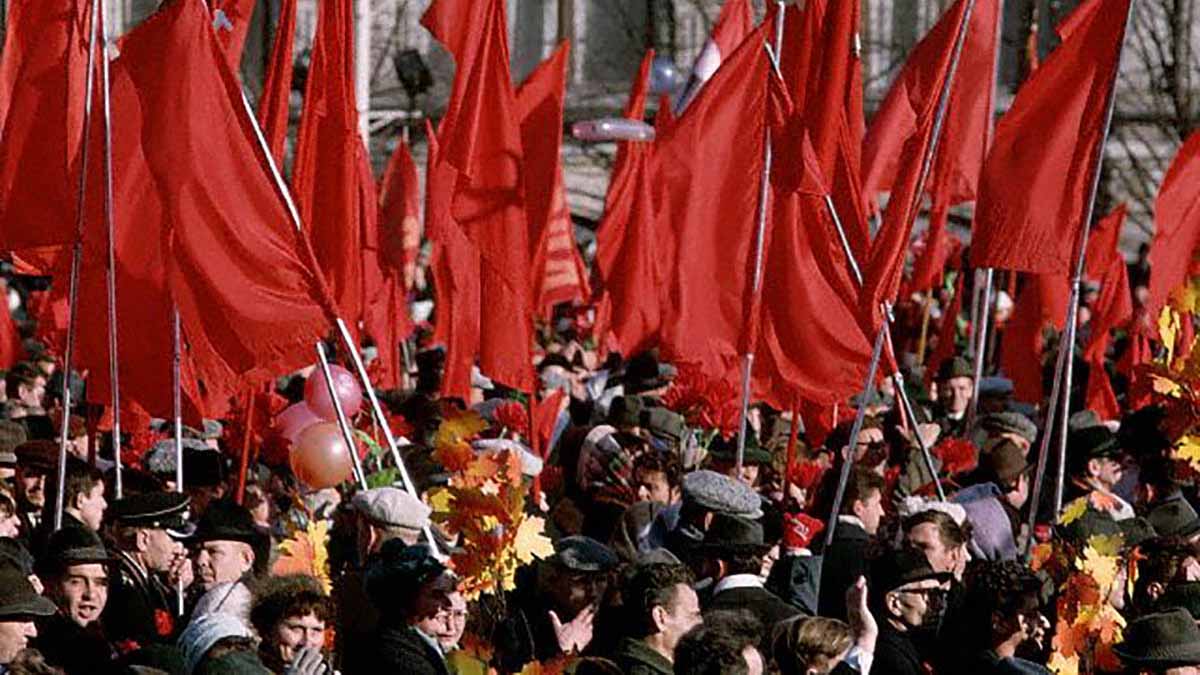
column 575, row 635
column 308, row 661
column 862, row 623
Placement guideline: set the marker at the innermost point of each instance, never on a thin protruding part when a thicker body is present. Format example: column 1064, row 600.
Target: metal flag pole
column 347, row 434
column 759, row 244
column 177, row 413
column 110, row 276
column 897, row 377
column 76, row 262
column 984, row 318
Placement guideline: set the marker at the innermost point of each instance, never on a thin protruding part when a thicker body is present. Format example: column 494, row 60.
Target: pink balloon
column 295, row 419
column 316, row 393
column 320, row 458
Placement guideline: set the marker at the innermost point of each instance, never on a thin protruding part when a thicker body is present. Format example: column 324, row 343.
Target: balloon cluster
column 319, row 456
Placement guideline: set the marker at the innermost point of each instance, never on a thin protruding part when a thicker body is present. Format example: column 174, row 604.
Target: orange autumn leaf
column 1106, row 659
column 1069, row 640
column 1103, row 502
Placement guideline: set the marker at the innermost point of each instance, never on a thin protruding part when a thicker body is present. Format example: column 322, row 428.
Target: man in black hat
column 20, row 606
column 230, row 549
column 723, row 459
column 1094, row 465
column 1166, row 643
column 36, row 461
column 410, row 588
column 731, row 554
column 148, row 530
column 955, row 385
column 75, row 572
column 553, row 613
column 907, row 597
column 994, row 501
column 1161, row 500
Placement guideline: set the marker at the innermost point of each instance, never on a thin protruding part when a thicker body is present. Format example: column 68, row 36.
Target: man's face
column 955, row 394
column 10, row 524
column 928, row 539
column 680, row 615
column 91, row 506
column 454, row 623
column 32, row 486
column 1019, row 494
column 14, row 637
column 159, row 550
column 218, row 562
column 1106, row 471
column 81, row 592
column 31, row 395
column 571, row 591
column 910, row 603
column 298, row 632
column 430, row 613
column 652, row 486
column 870, row 511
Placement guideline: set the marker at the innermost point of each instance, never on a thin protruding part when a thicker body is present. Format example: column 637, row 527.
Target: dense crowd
column 649, row 549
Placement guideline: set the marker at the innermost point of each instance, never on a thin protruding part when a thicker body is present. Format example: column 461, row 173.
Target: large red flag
column 733, row 24
column 710, row 169
column 947, row 344
column 1113, row 309
column 274, row 104
column 331, row 162
column 1041, row 302
column 480, row 139
column 251, row 301
column 43, row 76
column 558, row 272
column 389, row 263
column 231, row 18
column 1038, row 176
column 1177, row 218
column 627, row 264
column 928, row 83
column 968, row 114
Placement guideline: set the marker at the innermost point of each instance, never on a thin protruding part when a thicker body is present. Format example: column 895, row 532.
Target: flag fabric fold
column 1032, row 194
column 1177, row 222
column 1112, row 309
column 733, row 24
column 275, row 103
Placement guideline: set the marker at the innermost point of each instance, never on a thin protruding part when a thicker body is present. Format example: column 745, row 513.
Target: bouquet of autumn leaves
column 484, row 506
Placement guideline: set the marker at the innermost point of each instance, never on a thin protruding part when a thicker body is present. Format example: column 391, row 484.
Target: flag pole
column 343, row 425
column 177, row 413
column 73, row 283
column 759, row 244
column 110, row 276
column 981, row 339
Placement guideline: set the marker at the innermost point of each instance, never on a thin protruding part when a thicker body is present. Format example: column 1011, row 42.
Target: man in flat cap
column 1009, row 425
column 704, row 493
column 148, row 530
column 553, row 613
column 75, row 571
column 955, row 385
column 20, row 606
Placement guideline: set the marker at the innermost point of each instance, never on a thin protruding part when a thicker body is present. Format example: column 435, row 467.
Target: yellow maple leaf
column 306, row 552
column 1062, row 665
column 1074, row 511
column 1188, row 450
column 455, row 430
column 1106, row 544
column 1102, row 568
column 530, row 543
column 1168, row 329
column 1165, row 385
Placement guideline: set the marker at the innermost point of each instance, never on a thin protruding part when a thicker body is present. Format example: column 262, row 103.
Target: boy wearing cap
column 151, row 560
column 955, row 385
column 75, row 573
column 20, row 605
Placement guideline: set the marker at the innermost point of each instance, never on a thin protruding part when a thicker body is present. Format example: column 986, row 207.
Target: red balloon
column 316, row 393
column 320, row 458
column 295, row 419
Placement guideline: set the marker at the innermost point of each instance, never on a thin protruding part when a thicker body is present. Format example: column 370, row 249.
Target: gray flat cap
column 720, row 493
column 1009, row 423
column 392, row 507
column 584, row 554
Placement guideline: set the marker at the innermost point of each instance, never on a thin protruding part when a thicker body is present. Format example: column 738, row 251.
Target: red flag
column 932, row 74
column 274, row 105
column 231, row 20
column 734, row 23
column 251, row 301
column 947, row 344
column 389, row 264
column 1041, row 302
column 940, row 247
column 710, row 169
column 1113, row 309
column 331, row 162
column 481, row 141
column 968, row 114
column 835, row 114
column 545, row 417
column 558, row 272
column 627, row 262
column 1177, row 219
column 1032, row 194
column 41, row 121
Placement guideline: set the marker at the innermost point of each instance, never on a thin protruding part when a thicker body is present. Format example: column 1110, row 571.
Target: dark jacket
column 525, row 635
column 635, row 657
column 140, row 606
column 990, row 663
column 843, row 563
column 796, row 579
column 895, row 654
column 74, row 649
column 765, row 605
column 399, row 649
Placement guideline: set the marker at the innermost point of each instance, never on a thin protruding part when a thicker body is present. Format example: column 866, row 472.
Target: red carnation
column 957, row 455
column 164, row 623
column 514, row 417
column 799, row 530
column 806, row 474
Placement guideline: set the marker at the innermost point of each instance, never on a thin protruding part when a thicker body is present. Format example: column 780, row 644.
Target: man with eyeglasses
column 907, row 597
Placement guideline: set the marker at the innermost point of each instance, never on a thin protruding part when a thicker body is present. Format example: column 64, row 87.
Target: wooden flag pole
column 64, row 437
column 759, row 244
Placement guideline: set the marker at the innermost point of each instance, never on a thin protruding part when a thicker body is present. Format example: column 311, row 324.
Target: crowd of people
column 666, row 555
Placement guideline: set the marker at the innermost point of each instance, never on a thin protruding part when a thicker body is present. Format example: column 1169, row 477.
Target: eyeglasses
column 934, row 592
